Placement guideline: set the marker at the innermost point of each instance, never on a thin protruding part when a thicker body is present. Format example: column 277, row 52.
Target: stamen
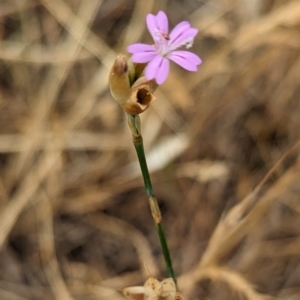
column 165, row 36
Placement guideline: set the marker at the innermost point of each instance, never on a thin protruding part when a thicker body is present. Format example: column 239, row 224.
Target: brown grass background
column 74, row 218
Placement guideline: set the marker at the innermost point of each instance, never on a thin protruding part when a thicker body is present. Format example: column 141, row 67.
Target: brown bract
column 140, row 97
column 119, row 79
column 133, row 99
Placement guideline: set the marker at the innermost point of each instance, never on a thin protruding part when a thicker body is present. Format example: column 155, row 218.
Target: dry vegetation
column 74, row 217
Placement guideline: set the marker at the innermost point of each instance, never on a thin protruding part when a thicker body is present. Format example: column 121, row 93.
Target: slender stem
column 139, row 147
column 166, row 252
column 135, row 126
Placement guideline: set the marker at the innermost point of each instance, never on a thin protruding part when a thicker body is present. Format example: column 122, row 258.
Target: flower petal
column 163, row 72
column 138, row 48
column 162, row 22
column 142, row 53
column 189, row 56
column 186, row 60
column 152, row 25
column 182, row 35
column 178, row 29
column 143, row 57
column 157, row 25
column 157, row 69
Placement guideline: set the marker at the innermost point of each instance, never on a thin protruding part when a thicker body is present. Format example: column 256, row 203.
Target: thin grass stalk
column 135, row 127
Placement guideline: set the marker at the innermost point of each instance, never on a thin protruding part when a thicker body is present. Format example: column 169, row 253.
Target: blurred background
column 74, row 216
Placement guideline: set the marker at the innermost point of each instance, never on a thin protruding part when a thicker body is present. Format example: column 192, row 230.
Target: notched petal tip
column 162, row 22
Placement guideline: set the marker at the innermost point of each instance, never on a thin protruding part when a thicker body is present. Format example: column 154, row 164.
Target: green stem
column 139, row 147
column 134, row 124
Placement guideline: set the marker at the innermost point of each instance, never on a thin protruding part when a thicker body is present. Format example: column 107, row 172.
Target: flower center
column 161, row 41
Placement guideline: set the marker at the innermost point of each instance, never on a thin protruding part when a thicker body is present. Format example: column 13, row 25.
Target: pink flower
column 157, row 56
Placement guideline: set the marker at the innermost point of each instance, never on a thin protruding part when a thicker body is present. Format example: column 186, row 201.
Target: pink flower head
column 157, row 56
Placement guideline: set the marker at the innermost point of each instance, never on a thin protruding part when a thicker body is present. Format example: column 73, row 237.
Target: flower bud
column 119, row 79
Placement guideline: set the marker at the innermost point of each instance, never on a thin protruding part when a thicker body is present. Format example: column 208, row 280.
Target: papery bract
column 133, row 98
